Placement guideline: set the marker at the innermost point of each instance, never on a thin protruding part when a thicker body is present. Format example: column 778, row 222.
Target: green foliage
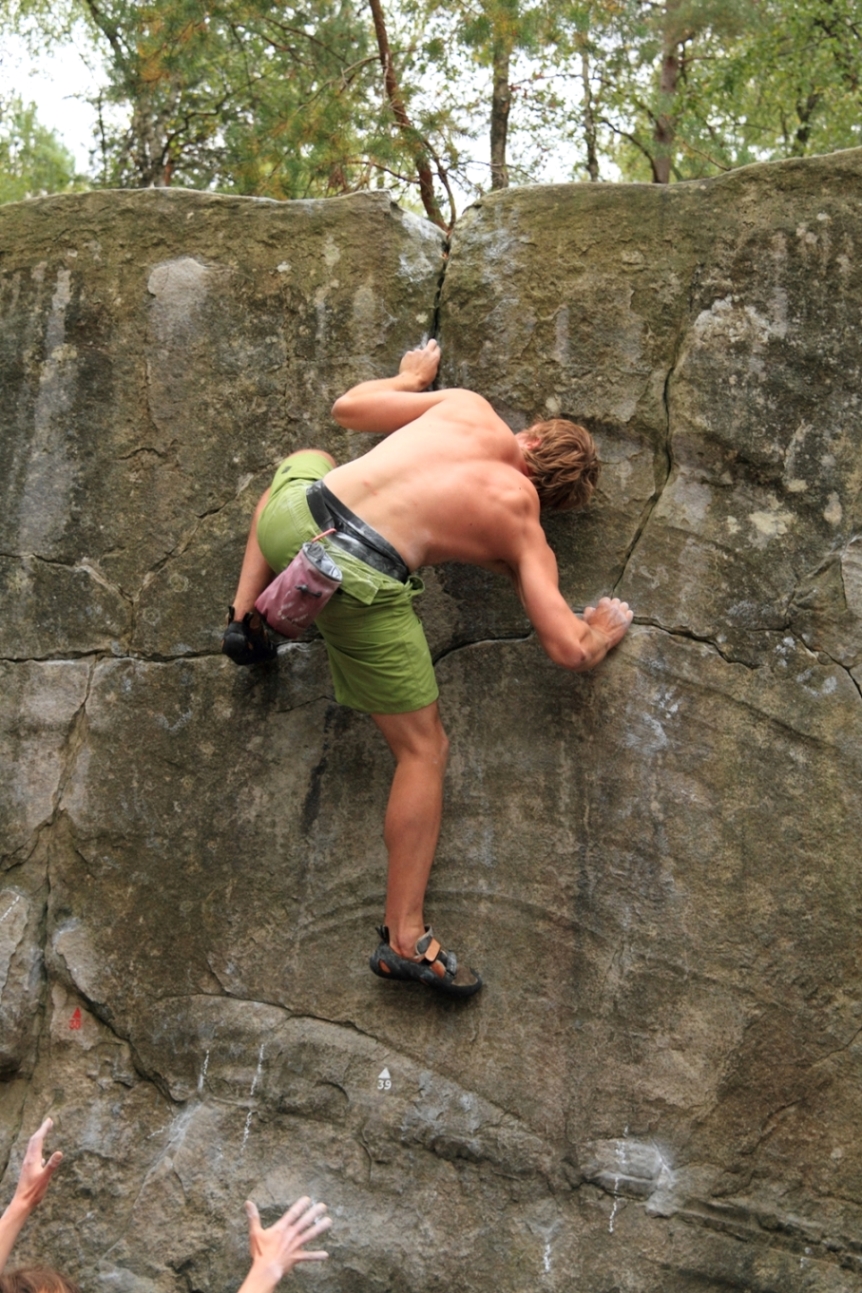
column 800, row 87
column 286, row 98
column 33, row 161
column 242, row 95
column 659, row 71
column 472, row 64
column 701, row 86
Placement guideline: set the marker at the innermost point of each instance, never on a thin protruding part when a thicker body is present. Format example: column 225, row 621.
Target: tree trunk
column 805, row 109
column 501, row 102
column 411, row 135
column 665, row 132
column 589, row 119
column 665, row 125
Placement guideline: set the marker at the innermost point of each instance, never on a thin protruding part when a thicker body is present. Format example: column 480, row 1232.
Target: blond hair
column 564, row 464
column 36, row 1279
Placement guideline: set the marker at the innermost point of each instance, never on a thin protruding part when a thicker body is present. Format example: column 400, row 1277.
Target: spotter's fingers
column 295, row 1211
column 313, row 1223
column 34, row 1144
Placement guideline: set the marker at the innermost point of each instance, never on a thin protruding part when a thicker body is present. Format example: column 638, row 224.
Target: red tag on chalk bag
column 296, row 597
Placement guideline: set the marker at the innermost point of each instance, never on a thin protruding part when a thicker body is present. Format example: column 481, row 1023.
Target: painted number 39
column 384, row 1081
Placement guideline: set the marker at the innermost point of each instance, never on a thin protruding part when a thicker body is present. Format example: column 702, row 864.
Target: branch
column 108, row 30
column 297, row 31
column 399, row 111
column 633, row 139
column 700, row 152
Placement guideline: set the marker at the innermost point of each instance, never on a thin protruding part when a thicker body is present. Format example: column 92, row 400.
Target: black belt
column 353, row 535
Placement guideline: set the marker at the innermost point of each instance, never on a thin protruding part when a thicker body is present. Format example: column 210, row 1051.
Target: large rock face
column 656, row 866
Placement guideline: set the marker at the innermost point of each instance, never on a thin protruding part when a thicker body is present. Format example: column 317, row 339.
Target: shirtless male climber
column 450, row 482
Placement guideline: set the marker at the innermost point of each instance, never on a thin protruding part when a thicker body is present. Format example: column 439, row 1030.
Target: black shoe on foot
column 435, row 968
column 247, row 641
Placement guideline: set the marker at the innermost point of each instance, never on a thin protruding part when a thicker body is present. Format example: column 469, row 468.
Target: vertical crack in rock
column 74, row 743
column 75, row 739
column 441, row 278
column 819, row 651
column 311, row 803
column 667, row 464
column 335, row 720
column 639, row 529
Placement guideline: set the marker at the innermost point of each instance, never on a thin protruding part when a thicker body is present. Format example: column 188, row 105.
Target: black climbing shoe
column 247, row 641
column 435, row 968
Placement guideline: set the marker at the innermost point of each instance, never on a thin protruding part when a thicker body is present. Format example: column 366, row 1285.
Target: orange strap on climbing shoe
column 430, row 955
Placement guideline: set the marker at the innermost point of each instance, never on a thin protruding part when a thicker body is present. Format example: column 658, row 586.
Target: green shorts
column 376, row 645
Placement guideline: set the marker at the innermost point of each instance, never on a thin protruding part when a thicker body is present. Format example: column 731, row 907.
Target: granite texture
column 656, row 866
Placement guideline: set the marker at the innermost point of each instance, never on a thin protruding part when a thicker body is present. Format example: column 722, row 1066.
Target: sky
column 55, row 83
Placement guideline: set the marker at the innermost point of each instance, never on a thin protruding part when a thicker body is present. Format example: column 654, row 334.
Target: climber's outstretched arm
column 388, row 403
column 576, row 642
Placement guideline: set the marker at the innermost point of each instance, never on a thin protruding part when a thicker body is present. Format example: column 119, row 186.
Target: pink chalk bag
column 296, row 597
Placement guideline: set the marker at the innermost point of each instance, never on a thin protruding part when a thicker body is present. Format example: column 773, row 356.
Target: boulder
column 655, row 865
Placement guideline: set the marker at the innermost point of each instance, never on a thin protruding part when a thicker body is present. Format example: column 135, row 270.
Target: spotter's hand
column 281, row 1246
column 35, row 1172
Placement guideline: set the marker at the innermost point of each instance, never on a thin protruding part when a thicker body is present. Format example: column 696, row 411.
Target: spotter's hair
column 36, row 1279
column 564, row 465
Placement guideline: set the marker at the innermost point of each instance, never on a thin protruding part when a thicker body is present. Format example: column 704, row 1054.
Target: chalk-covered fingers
column 35, row 1172
column 611, row 617
column 422, row 364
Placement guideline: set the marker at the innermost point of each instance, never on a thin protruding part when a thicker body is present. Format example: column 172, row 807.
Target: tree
column 285, row 98
column 418, row 148
column 239, row 94
column 799, row 82
column 33, row 161
column 661, row 87
column 489, row 36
